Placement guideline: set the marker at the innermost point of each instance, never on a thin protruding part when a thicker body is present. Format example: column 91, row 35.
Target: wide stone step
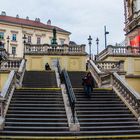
column 104, row 115
column 37, row 99
column 95, row 96
column 35, row 112
column 37, row 108
column 98, row 99
column 38, row 96
column 109, row 128
column 36, row 105
column 100, row 105
column 36, row 115
column 100, row 108
column 109, row 119
column 103, row 112
column 37, row 102
column 20, row 128
column 18, row 119
column 94, row 102
column 127, row 123
column 35, row 124
column 37, row 133
column 38, row 91
column 96, row 93
column 100, row 133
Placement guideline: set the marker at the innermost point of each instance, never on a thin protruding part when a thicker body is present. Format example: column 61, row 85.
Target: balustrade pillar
column 128, row 50
column 110, row 49
column 121, row 63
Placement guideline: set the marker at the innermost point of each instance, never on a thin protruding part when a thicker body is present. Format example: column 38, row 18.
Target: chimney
column 49, row 22
column 3, row 13
column 37, row 19
column 17, row 16
column 27, row 18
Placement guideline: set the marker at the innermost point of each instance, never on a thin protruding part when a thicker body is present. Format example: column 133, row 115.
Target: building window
column 38, row 40
column 13, row 50
column 62, row 41
column 29, row 39
column 14, row 37
column 1, row 35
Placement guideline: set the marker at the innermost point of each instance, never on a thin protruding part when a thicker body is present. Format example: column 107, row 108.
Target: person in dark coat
column 88, row 84
column 47, row 67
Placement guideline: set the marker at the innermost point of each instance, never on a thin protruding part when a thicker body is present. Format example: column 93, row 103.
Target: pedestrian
column 88, row 84
column 47, row 67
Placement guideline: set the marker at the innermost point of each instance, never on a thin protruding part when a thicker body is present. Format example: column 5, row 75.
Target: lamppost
column 105, row 32
column 24, row 42
column 89, row 42
column 97, row 42
column 8, row 39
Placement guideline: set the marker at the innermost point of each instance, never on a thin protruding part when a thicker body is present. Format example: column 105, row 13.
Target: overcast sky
column 81, row 17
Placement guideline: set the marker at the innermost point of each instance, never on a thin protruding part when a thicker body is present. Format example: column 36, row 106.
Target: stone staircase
column 76, row 78
column 40, row 79
column 104, row 114
column 36, row 112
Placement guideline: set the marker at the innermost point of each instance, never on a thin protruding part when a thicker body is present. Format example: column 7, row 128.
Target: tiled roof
column 27, row 22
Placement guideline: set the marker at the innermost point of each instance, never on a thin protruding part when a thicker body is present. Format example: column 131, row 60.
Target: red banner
column 135, row 42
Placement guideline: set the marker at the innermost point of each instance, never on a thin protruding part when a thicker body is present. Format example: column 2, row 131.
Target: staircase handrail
column 70, row 92
column 7, row 91
column 21, row 71
column 128, row 93
column 59, row 67
column 95, row 71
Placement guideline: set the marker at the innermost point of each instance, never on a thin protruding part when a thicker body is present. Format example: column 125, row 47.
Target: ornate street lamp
column 105, row 33
column 8, row 39
column 89, row 42
column 24, row 42
column 97, row 42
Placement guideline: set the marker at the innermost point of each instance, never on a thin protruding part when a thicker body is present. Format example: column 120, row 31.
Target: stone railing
column 129, row 95
column 111, row 79
column 96, row 73
column 110, row 65
column 3, row 53
column 59, row 49
column 14, row 79
column 6, row 96
column 10, row 64
column 20, row 73
column 118, row 50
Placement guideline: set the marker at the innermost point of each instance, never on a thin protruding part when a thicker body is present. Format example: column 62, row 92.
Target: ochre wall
column 3, row 78
column 135, row 83
column 131, row 64
column 71, row 63
column 34, row 32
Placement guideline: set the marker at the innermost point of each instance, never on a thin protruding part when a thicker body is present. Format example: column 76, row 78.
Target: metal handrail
column 70, row 92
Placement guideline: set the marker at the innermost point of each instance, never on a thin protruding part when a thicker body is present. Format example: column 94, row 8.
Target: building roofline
column 30, row 23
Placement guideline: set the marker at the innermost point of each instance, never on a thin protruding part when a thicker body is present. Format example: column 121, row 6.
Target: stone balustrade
column 131, row 97
column 118, row 50
column 59, row 49
column 10, row 64
column 111, row 79
column 14, row 80
column 110, row 65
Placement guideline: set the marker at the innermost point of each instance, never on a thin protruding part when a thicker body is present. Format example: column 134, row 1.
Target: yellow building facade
column 13, row 29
